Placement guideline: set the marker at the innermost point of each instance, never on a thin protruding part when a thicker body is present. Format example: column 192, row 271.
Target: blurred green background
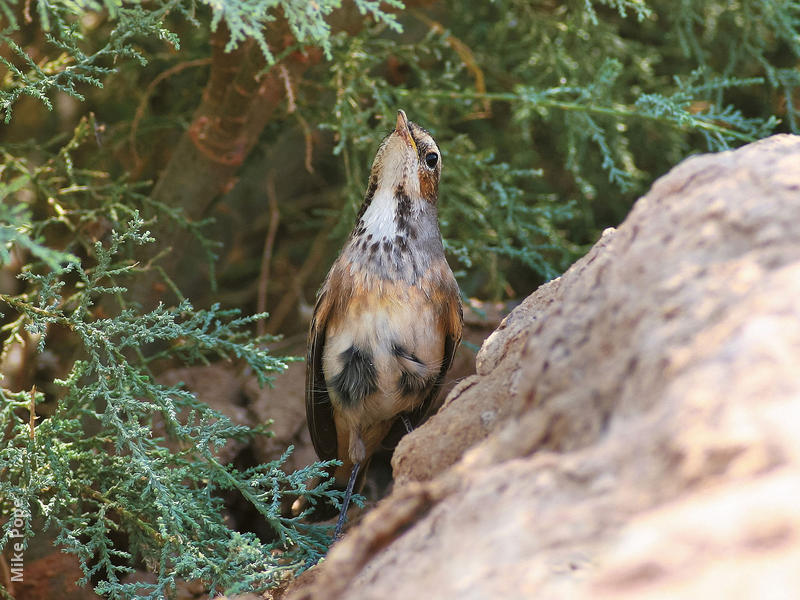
column 553, row 117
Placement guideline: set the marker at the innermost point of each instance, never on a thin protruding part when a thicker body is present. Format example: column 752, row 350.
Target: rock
column 631, row 429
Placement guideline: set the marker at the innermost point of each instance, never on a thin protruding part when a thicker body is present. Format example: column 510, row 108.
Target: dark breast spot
column 401, row 352
column 412, row 380
column 402, row 223
column 403, row 212
column 373, row 186
column 358, row 377
column 411, row 384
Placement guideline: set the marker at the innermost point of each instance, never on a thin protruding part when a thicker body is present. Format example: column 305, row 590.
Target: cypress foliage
column 97, row 466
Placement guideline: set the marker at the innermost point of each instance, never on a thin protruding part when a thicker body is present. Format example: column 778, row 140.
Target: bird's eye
column 431, row 158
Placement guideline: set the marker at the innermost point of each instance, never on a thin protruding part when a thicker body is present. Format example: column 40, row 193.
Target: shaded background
column 281, row 153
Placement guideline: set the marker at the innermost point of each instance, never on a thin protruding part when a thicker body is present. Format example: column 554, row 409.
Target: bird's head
column 408, row 160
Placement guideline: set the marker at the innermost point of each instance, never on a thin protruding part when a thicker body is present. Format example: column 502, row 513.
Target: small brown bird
column 388, row 318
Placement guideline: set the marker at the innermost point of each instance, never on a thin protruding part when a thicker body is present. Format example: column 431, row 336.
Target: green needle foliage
column 553, row 117
column 68, row 24
column 121, row 453
column 584, row 102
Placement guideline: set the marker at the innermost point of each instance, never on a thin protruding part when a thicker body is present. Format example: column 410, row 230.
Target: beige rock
column 632, row 428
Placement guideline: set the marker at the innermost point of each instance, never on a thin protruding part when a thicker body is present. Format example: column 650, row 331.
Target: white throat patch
column 379, row 218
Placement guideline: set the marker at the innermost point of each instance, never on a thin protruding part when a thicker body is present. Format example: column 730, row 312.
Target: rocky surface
column 631, row 431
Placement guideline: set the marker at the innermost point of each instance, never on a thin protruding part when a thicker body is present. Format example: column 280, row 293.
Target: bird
column 388, row 317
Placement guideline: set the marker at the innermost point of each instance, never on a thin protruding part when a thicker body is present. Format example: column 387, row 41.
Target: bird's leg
column 407, row 423
column 346, row 501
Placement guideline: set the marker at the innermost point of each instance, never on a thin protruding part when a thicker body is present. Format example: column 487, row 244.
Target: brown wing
column 319, row 411
column 454, row 320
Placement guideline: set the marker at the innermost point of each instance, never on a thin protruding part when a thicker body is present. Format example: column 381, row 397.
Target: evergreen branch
column 94, row 466
column 62, row 22
column 679, row 119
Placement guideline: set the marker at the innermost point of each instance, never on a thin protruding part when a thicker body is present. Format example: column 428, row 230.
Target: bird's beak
column 402, row 130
